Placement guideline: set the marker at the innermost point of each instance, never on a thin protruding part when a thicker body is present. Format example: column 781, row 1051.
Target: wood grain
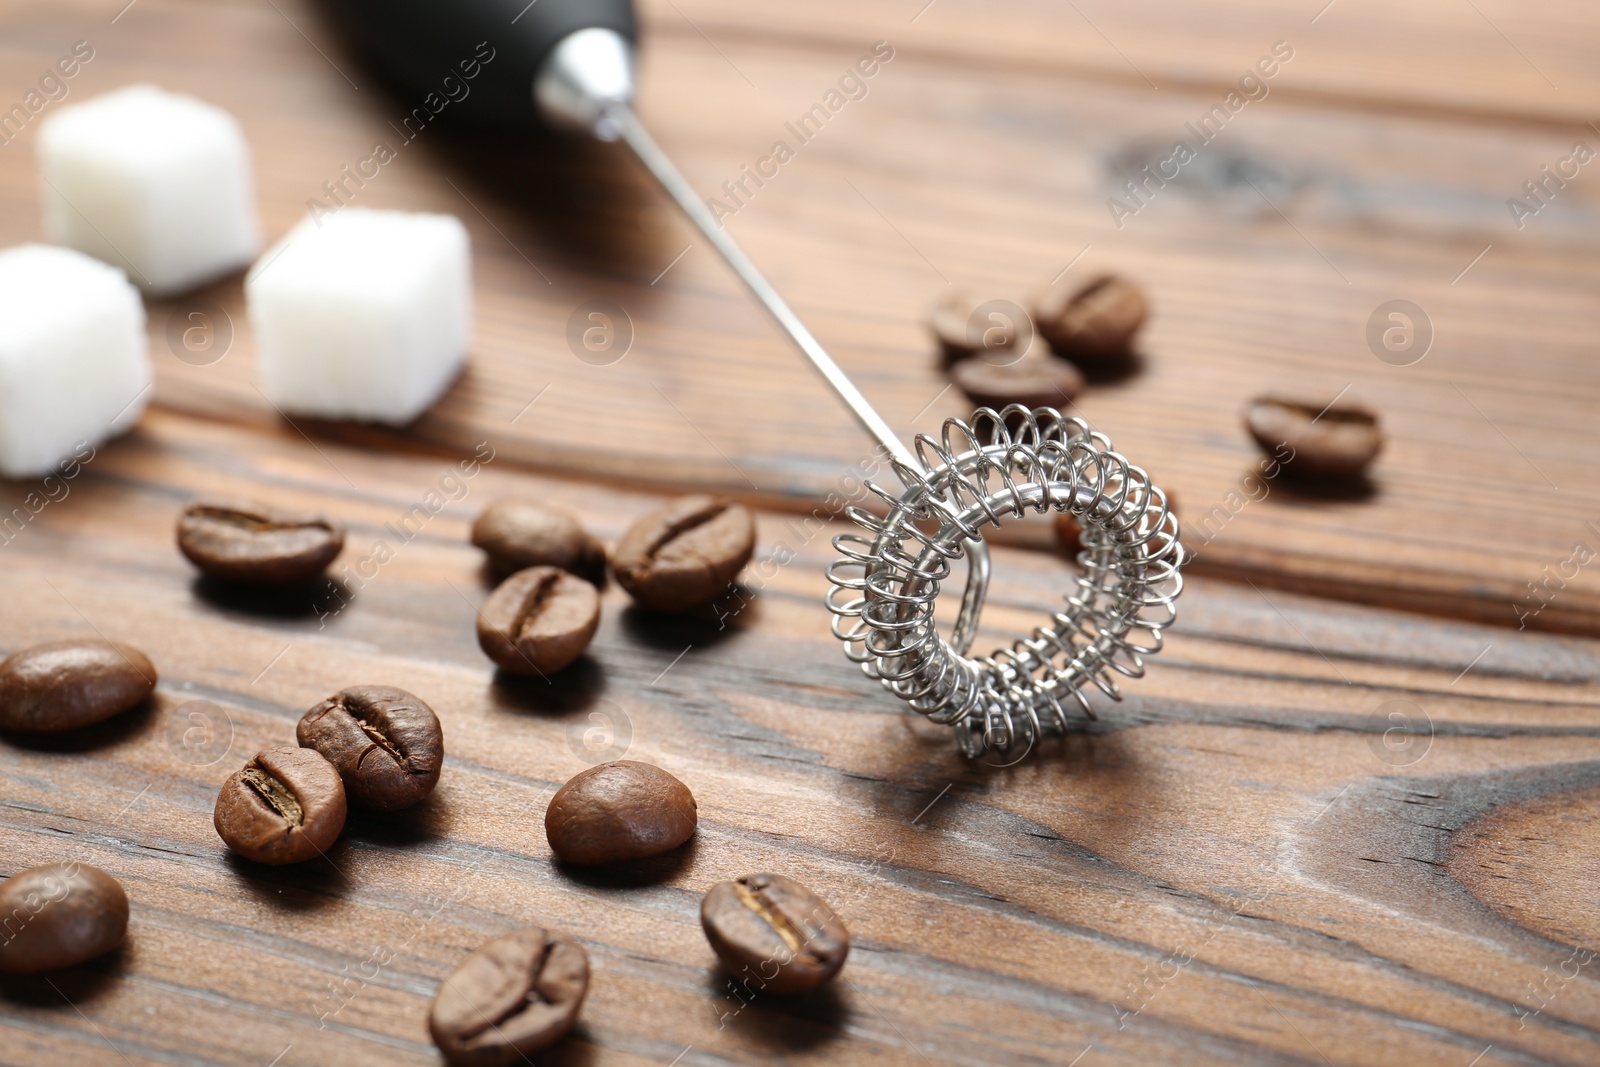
column 1243, row 863
column 1526, row 856
column 984, row 155
column 1360, row 53
column 1314, row 833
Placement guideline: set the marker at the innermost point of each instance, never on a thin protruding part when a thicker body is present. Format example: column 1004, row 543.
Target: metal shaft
column 657, row 163
column 618, row 118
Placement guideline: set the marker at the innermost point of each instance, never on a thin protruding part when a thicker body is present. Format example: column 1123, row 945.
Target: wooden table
column 1318, row 832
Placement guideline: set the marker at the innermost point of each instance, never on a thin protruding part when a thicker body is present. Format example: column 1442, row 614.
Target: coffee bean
column 773, row 934
column 385, row 743
column 1036, row 380
column 521, row 533
column 948, row 321
column 539, row 620
column 1094, row 323
column 964, row 326
column 514, row 996
column 59, row 915
column 244, row 542
column 67, row 684
column 686, row 554
column 1315, row 440
column 1069, row 531
column 286, row 806
column 619, row 811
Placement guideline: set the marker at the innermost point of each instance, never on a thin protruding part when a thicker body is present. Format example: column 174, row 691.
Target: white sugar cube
column 74, row 361
column 362, row 314
column 156, row 183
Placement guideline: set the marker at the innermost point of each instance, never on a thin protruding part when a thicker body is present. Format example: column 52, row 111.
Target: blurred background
column 1382, row 160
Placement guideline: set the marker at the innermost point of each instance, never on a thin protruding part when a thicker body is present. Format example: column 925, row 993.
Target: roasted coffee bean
column 1315, row 440
column 964, row 325
column 514, row 996
column 1036, row 380
column 67, row 684
column 244, row 542
column 1069, row 531
column 619, row 811
column 385, row 743
column 286, row 806
column 517, row 534
column 1094, row 323
column 773, row 934
column 686, row 554
column 949, row 320
column 59, row 915
column 539, row 620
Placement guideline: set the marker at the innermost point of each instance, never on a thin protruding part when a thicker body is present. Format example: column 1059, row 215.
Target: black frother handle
column 499, row 43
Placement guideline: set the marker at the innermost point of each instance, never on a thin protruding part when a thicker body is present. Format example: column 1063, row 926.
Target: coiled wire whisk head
column 999, row 466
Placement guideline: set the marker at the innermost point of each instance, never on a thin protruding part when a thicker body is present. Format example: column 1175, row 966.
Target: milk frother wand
column 569, row 65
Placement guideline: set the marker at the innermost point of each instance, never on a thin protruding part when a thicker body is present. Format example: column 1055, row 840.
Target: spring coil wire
column 999, row 466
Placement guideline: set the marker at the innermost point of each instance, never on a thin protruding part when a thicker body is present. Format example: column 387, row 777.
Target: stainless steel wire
column 658, row 163
column 627, row 125
column 997, row 467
